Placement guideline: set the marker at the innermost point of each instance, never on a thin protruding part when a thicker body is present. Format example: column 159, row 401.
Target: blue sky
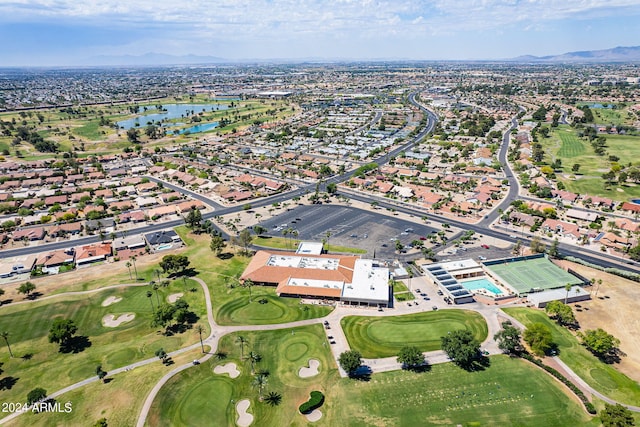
column 74, row 32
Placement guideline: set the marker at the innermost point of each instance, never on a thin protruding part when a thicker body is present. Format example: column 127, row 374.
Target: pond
column 170, row 111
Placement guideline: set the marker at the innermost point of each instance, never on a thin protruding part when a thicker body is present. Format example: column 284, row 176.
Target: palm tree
column 254, row 357
column 259, row 382
column 200, row 330
column 128, row 264
column 242, row 341
column 133, row 259
column 567, row 288
column 273, row 398
column 5, row 336
column 149, row 295
column 248, row 283
column 155, row 288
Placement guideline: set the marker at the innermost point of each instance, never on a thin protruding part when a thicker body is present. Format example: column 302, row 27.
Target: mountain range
column 616, row 54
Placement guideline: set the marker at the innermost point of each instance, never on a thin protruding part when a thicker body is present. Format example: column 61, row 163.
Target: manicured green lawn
column 28, row 325
column 511, row 392
column 601, row 376
column 200, row 397
column 377, row 337
column 564, row 144
column 239, row 311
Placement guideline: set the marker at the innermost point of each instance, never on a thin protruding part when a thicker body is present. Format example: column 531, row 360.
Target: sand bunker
column 111, row 321
column 314, row 415
column 111, row 300
column 174, row 297
column 229, row 368
column 244, row 418
column 311, row 371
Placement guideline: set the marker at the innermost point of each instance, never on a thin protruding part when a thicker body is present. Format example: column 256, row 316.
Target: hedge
column 316, row 400
column 612, row 270
column 587, row 405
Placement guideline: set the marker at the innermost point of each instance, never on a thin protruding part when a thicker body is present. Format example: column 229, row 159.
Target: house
column 583, row 215
column 129, row 242
column 133, row 216
column 562, row 228
column 55, row 258
column 162, row 237
column 95, row 252
column 64, row 229
column 631, row 207
column 36, row 233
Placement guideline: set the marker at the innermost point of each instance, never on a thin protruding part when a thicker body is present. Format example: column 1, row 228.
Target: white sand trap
column 174, row 297
column 228, row 368
column 314, row 415
column 311, row 371
column 111, row 321
column 111, row 300
column 244, row 418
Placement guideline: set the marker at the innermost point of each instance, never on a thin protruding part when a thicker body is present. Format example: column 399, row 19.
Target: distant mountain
column 153, row 58
column 616, row 54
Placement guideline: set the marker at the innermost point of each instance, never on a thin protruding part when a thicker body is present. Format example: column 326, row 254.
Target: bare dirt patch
column 244, row 418
column 111, row 300
column 174, row 297
column 311, row 371
column 112, row 321
column 614, row 309
column 228, row 368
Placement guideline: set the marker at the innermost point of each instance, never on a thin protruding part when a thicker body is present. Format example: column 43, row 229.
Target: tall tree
column 217, row 244
column 149, row 295
column 616, row 416
column 133, row 259
column 5, row 337
column 599, row 342
column 259, row 382
column 461, row 347
column 410, row 357
column 508, row 339
column 200, row 330
column 254, row 357
column 62, row 331
column 539, row 338
column 36, row 395
column 128, row 265
column 26, row 288
column 350, row 361
column 242, row 341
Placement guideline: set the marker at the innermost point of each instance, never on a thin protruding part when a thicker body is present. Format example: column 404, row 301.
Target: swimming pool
column 474, row 285
column 165, row 246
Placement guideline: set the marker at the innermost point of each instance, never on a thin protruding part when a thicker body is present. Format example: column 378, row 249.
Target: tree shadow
column 226, row 255
column 6, row 301
column 76, row 344
column 27, row 356
column 475, row 365
column 107, row 380
column 33, row 295
column 7, row 383
column 363, row 373
column 425, row 367
column 168, row 361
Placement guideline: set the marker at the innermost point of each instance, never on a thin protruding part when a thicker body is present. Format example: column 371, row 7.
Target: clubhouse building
column 308, row 273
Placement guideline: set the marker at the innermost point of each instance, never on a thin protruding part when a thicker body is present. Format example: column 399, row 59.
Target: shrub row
column 315, row 401
column 588, row 405
column 612, row 270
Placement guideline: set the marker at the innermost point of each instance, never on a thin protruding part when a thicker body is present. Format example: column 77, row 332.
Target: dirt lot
column 614, row 309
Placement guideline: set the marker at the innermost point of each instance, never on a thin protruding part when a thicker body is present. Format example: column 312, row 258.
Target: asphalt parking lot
column 348, row 226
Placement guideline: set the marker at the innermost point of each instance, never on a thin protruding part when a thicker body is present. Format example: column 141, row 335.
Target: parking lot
column 348, row 226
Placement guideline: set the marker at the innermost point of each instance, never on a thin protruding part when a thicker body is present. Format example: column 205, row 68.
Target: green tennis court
column 523, row 275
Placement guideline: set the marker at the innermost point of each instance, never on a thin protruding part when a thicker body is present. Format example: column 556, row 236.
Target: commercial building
column 310, row 274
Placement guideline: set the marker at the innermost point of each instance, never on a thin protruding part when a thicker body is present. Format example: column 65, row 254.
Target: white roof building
column 370, row 284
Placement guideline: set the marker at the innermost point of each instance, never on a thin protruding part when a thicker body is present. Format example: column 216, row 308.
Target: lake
column 197, row 128
column 173, row 111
